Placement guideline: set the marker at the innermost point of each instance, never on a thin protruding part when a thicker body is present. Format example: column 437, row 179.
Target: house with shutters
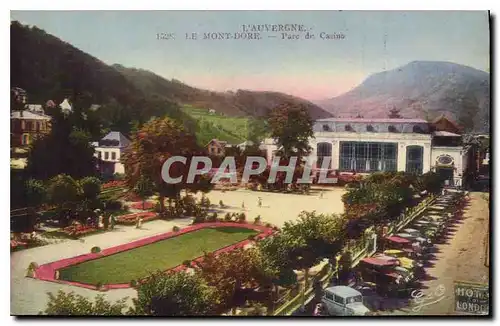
column 108, row 151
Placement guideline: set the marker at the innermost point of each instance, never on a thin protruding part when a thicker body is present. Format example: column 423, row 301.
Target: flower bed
column 143, row 205
column 115, row 183
column 130, row 196
column 79, row 230
column 130, row 219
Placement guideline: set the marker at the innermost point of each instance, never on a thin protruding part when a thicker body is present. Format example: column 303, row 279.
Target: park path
column 29, row 296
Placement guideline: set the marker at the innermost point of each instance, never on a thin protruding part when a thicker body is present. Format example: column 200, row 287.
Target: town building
column 369, row 145
column 109, row 150
column 217, row 147
column 27, row 125
column 66, row 106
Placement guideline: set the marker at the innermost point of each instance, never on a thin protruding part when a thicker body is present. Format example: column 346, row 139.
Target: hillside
column 51, row 69
column 239, row 103
column 423, row 89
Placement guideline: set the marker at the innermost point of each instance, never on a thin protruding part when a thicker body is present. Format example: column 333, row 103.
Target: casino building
column 381, row 144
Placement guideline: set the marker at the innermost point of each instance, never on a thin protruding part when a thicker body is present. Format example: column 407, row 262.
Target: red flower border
column 47, row 272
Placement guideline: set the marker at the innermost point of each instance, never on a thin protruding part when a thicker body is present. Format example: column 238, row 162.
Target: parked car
column 405, row 261
column 382, row 273
column 423, row 242
column 416, row 233
column 343, row 300
column 407, row 273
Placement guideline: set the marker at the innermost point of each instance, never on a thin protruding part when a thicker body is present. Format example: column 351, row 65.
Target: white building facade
column 370, row 145
column 109, row 151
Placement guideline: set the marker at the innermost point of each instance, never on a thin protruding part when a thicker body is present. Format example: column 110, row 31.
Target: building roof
column 373, row 120
column 35, row 107
column 343, row 291
column 222, row 143
column 445, row 134
column 30, row 115
column 65, row 106
column 117, row 136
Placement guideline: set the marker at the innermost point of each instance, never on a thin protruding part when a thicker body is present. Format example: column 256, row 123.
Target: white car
column 343, row 300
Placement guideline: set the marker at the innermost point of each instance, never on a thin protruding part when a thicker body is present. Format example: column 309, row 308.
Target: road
column 461, row 257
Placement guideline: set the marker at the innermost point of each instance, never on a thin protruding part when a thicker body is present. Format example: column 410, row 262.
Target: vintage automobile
column 343, row 300
column 404, row 259
column 382, row 273
column 428, row 229
column 423, row 242
column 416, row 233
column 407, row 273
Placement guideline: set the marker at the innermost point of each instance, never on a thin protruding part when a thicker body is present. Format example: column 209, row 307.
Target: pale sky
column 312, row 69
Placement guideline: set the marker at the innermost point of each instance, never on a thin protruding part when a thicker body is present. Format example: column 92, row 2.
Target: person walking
column 259, row 202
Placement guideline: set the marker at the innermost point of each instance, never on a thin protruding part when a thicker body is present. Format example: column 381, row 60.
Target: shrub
column 221, row 204
column 125, row 208
column 220, row 219
column 257, row 220
column 175, row 228
column 112, row 205
column 99, row 285
column 186, row 263
column 175, row 294
column 95, row 250
column 33, row 265
column 269, row 225
column 70, row 304
column 199, row 219
column 227, row 217
column 212, row 217
column 242, row 218
column 133, row 283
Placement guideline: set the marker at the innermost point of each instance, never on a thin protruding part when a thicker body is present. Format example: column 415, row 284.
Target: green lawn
column 140, row 262
column 231, row 129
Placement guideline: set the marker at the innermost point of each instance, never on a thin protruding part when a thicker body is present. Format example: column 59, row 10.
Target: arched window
column 348, row 128
column 323, row 150
column 370, row 128
column 414, row 159
column 326, row 128
column 391, row 128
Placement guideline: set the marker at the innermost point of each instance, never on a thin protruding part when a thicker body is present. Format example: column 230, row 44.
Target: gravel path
column 28, row 296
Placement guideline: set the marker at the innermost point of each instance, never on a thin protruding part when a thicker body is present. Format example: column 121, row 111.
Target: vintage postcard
column 250, row 163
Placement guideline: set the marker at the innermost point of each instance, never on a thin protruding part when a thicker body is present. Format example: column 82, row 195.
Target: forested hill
column 239, row 103
column 51, row 69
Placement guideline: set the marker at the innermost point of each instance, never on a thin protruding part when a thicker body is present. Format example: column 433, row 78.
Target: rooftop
column 445, row 134
column 26, row 114
column 116, row 136
column 343, row 291
column 373, row 120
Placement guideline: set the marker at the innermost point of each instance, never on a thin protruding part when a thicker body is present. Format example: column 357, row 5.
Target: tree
column 291, row 125
column 63, row 192
column 237, row 274
column 394, row 113
column 175, row 294
column 90, row 187
column 156, row 141
column 35, row 192
column 69, row 304
column 144, row 189
column 66, row 150
column 257, row 130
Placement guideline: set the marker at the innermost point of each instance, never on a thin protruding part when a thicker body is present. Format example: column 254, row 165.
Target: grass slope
column 162, row 255
column 231, row 129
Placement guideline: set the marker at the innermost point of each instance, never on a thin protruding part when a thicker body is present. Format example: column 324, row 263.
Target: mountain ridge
column 421, row 89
